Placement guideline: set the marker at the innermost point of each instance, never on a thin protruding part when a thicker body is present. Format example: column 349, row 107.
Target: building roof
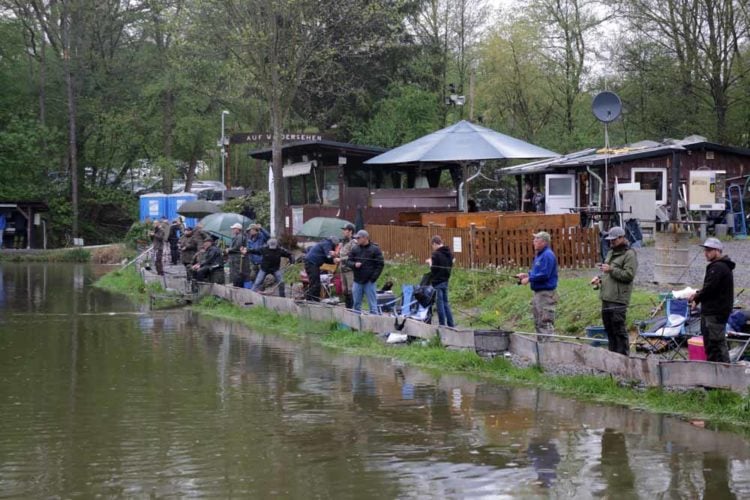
column 322, row 145
column 637, row 150
column 39, row 206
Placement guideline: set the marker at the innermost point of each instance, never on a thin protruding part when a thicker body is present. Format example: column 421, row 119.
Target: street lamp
column 223, row 146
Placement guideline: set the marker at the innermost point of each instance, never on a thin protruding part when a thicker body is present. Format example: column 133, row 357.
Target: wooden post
column 472, row 238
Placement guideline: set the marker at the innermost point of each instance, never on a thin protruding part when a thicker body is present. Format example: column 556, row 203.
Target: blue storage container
column 175, row 201
column 596, row 332
column 153, row 205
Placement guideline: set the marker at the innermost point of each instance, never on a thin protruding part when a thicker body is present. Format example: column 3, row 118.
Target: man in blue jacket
column 322, row 253
column 256, row 239
column 542, row 277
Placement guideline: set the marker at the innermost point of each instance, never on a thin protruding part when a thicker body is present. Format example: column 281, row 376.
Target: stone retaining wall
column 650, row 371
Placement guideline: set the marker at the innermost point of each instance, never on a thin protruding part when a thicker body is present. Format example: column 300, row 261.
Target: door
column 560, row 193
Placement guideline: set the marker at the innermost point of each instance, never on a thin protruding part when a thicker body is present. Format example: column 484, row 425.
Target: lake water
column 99, row 397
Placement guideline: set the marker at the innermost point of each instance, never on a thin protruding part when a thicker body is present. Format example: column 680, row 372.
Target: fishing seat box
column 695, row 349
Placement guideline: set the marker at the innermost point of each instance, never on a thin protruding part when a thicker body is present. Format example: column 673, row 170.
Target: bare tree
column 705, row 37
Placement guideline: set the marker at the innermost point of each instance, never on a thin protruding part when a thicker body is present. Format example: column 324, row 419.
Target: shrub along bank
column 484, row 299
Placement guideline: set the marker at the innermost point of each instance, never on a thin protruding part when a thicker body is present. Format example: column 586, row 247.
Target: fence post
column 472, row 234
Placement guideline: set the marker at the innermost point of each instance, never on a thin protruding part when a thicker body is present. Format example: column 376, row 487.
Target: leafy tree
column 406, row 114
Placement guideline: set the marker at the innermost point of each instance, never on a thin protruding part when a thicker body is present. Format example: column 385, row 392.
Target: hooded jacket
column 442, row 264
column 717, row 295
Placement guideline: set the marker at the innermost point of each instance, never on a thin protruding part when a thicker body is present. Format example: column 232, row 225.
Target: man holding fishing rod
column 542, row 278
column 717, row 300
column 615, row 287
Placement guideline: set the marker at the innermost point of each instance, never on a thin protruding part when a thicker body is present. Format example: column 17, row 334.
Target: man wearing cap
column 174, row 236
column 347, row 275
column 717, row 299
column 542, row 278
column 256, row 239
column 157, row 237
column 237, row 266
column 615, row 288
column 322, row 253
column 271, row 256
column 210, row 268
column 188, row 247
column 366, row 261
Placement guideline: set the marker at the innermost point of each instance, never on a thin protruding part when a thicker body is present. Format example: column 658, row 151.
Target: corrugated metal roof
column 634, row 151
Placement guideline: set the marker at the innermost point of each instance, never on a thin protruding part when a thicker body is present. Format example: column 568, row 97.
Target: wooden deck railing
column 574, row 246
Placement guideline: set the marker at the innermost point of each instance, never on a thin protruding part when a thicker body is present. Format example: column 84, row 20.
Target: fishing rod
column 138, row 257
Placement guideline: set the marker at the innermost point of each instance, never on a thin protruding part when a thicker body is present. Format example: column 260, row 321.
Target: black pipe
column 675, row 186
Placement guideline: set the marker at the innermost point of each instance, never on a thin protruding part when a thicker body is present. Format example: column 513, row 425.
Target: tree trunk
column 190, row 175
column 277, row 166
column 72, row 146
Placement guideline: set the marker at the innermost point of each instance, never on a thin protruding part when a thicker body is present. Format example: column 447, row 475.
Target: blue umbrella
column 462, row 142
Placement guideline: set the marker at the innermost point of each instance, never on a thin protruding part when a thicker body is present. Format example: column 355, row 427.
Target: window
column 652, row 178
column 330, row 182
column 561, row 186
column 296, row 190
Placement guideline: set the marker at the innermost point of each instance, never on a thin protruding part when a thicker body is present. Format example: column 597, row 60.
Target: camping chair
column 390, row 303
column 737, row 335
column 668, row 334
column 416, row 303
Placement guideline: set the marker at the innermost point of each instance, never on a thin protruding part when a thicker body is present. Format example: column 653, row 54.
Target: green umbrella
column 321, row 227
column 221, row 224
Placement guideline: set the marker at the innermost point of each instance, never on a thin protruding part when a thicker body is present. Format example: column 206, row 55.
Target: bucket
column 596, row 332
column 696, row 352
column 491, row 340
column 672, row 258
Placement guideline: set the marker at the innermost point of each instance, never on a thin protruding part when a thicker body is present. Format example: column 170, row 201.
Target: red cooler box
column 695, row 349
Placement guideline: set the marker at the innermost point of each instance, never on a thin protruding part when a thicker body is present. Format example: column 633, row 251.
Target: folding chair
column 390, row 303
column 667, row 335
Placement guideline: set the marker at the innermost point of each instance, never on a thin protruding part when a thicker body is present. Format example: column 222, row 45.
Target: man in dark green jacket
column 615, row 287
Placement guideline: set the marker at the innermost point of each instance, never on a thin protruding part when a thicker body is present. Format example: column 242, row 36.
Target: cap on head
column 273, row 243
column 334, row 239
column 256, row 227
column 543, row 235
column 615, row 233
column 713, row 243
column 236, row 225
column 362, row 234
column 348, row 226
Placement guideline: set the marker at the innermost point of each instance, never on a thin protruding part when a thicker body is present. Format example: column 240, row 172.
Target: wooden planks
column 575, row 247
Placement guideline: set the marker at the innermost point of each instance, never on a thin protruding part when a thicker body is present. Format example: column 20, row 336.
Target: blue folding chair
column 666, row 335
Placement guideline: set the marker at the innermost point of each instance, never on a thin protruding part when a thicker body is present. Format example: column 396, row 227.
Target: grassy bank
column 717, row 406
column 127, row 282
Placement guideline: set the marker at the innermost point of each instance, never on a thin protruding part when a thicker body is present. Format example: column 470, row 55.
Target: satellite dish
column 606, row 106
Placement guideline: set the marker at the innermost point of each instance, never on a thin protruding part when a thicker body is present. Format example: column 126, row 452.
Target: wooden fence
column 574, row 246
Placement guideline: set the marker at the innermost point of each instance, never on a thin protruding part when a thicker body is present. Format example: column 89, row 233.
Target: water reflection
column 174, row 404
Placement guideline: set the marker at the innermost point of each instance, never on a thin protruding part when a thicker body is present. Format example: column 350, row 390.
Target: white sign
column 457, row 244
